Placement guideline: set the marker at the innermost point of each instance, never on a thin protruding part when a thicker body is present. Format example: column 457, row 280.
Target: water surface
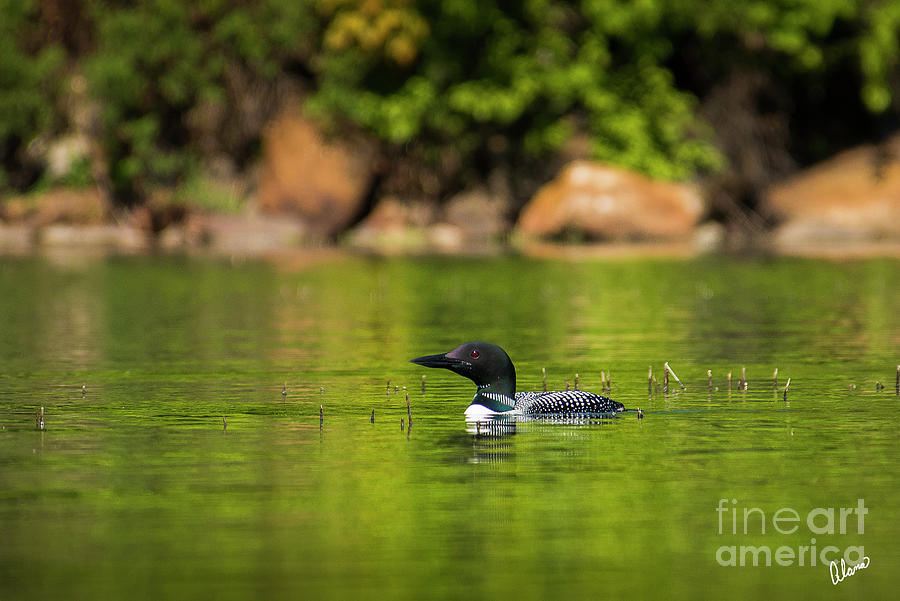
column 137, row 488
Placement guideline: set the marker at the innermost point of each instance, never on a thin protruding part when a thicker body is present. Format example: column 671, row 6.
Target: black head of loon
column 484, row 363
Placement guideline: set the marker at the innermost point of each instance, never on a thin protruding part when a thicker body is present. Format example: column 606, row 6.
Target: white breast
column 476, row 412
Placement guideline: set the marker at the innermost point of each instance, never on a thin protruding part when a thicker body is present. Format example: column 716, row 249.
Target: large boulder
column 324, row 182
column 603, row 202
column 854, row 196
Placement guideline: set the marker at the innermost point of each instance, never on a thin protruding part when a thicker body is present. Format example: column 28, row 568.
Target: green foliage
column 28, row 81
column 539, row 71
column 454, row 80
column 27, row 86
column 157, row 60
column 879, row 51
column 200, row 192
column 803, row 32
column 528, row 71
column 149, row 69
column 79, row 175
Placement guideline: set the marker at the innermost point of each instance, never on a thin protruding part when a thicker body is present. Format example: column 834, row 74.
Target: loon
column 493, row 372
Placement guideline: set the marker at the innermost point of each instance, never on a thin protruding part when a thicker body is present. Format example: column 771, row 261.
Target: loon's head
column 484, row 363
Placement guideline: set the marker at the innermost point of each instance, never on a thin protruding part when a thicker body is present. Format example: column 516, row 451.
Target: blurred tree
column 526, row 76
column 28, row 89
column 456, row 90
column 784, row 84
column 158, row 62
column 809, row 33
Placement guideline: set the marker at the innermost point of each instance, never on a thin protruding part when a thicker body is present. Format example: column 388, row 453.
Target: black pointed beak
column 440, row 360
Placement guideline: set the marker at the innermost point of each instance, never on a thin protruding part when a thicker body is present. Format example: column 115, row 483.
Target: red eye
column 474, row 353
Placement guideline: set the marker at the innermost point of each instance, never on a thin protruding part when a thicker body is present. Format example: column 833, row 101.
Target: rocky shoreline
column 255, row 236
column 311, row 192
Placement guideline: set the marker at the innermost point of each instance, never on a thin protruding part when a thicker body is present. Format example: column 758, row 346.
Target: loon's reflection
column 505, row 425
column 491, row 436
column 494, row 426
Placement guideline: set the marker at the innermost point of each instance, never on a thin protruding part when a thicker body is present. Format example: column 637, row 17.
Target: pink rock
column 16, row 238
column 853, row 196
column 393, row 226
column 323, row 181
column 120, row 238
column 237, row 235
column 59, row 205
column 606, row 202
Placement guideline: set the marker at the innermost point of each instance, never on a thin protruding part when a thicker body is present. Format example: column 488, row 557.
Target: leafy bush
column 539, row 71
column 28, row 87
column 446, row 83
column 531, row 72
column 156, row 61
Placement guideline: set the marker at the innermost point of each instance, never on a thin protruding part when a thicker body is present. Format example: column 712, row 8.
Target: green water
column 136, row 490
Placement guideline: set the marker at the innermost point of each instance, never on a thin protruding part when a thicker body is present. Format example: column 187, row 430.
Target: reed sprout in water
column 669, row 370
